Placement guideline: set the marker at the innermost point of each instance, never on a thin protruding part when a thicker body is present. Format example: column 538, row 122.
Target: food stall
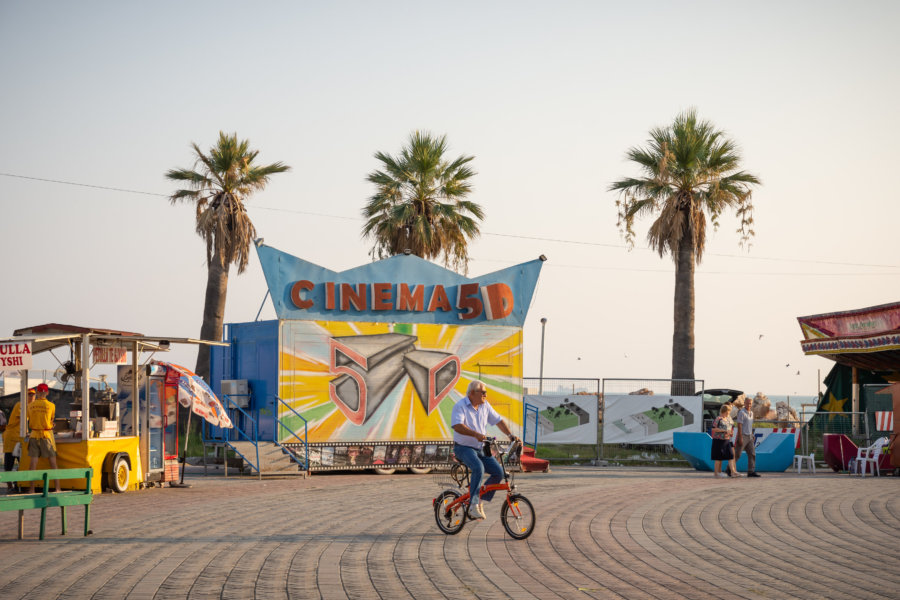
column 865, row 345
column 128, row 449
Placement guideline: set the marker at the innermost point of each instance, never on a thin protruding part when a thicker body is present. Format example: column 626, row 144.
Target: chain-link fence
column 636, row 453
column 860, row 427
column 560, row 386
column 652, row 387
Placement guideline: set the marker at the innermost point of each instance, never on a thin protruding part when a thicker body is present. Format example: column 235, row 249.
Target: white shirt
column 475, row 419
column 745, row 420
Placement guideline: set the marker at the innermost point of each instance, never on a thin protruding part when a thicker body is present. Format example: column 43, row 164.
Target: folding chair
column 870, row 455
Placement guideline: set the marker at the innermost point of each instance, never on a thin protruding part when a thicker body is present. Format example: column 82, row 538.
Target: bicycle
column 516, row 513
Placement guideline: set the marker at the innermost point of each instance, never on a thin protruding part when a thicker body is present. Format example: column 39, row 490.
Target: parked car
column 712, row 400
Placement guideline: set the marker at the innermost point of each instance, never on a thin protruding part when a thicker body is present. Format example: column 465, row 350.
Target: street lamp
column 541, row 377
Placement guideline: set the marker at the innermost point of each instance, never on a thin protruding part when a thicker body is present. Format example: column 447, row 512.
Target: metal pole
column 86, row 386
column 261, row 306
column 135, row 391
column 541, row 377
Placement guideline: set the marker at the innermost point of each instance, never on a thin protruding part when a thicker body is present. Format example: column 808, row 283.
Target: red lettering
column 381, row 296
column 296, row 296
column 467, row 299
column 355, row 297
column 411, row 301
column 498, row 301
column 329, row 295
column 439, row 300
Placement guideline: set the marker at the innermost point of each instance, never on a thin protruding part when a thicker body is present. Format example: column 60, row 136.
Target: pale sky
column 546, row 96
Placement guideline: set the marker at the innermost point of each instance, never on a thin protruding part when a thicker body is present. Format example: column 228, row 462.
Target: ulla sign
column 15, row 356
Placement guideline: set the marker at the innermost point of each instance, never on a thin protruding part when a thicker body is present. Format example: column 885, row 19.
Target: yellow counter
column 74, row 453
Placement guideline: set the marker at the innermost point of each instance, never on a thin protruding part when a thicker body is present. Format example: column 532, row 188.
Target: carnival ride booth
column 362, row 368
column 862, row 388
column 127, row 448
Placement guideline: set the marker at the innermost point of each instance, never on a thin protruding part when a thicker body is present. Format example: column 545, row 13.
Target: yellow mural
column 355, row 381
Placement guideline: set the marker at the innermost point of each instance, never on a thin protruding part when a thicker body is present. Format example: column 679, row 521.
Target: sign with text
column 110, row 356
column 399, row 289
column 15, row 356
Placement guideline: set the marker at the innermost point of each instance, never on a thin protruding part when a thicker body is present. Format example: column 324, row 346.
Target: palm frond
column 219, row 184
column 690, row 176
column 419, row 203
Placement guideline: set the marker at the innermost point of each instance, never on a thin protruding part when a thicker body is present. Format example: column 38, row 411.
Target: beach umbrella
column 196, row 395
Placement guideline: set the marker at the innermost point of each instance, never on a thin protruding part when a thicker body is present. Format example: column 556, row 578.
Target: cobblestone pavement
column 601, row 533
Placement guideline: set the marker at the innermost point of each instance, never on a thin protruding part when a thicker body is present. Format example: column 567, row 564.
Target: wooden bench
column 46, row 499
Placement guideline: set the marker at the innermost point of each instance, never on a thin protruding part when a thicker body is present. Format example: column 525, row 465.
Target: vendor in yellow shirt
column 41, row 444
column 11, row 436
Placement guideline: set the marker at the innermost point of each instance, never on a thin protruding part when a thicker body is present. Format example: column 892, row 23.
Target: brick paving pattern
column 601, row 533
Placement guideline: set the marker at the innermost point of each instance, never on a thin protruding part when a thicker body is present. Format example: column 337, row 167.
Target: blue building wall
column 251, row 355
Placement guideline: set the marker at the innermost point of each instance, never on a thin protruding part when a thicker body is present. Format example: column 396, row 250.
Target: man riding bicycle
column 469, row 420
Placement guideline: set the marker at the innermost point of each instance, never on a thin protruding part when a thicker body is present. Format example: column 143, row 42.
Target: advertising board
column 565, row 419
column 637, row 419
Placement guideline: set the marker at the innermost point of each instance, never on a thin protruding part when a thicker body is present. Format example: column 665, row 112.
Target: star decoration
column 833, row 404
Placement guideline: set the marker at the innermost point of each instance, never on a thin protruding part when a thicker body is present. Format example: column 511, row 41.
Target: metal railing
column 236, row 434
column 304, row 464
column 530, row 417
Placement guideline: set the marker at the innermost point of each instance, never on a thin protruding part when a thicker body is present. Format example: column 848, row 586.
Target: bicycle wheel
column 449, row 520
column 517, row 516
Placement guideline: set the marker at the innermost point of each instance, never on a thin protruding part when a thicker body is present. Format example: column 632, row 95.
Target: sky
column 548, row 97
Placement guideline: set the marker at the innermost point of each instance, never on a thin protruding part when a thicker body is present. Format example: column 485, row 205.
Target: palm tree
column 419, row 206
column 689, row 172
column 218, row 185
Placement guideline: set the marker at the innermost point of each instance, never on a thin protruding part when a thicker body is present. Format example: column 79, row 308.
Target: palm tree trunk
column 683, row 335
column 213, row 311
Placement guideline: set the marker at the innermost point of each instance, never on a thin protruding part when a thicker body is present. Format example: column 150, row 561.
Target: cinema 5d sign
column 402, row 288
column 470, row 300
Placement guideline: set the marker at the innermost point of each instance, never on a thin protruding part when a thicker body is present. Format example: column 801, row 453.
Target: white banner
column 565, row 419
column 15, row 356
column 649, row 419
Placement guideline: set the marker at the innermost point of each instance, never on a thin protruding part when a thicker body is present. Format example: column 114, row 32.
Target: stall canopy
column 866, row 338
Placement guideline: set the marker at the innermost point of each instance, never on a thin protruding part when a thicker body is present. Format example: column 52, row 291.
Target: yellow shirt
column 11, row 435
column 41, row 413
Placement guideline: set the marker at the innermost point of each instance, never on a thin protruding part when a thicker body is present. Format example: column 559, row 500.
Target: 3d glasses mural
column 384, row 381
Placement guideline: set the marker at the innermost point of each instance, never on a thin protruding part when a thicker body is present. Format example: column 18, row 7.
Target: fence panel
column 565, row 386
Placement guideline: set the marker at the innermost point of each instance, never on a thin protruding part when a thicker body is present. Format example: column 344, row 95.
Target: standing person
column 469, row 420
column 11, row 436
column 722, row 448
column 746, row 441
column 41, row 444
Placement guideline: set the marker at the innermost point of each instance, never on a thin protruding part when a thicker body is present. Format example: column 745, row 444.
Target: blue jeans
column 478, row 463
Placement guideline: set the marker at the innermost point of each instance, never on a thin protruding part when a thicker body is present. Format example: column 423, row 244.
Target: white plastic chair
column 870, row 455
column 799, row 459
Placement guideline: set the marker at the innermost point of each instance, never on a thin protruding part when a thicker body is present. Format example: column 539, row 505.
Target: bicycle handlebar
column 512, row 443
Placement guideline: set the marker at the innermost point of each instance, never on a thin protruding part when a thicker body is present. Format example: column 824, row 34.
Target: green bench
column 47, row 499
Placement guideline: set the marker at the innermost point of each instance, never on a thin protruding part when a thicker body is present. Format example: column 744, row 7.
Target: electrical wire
column 486, row 233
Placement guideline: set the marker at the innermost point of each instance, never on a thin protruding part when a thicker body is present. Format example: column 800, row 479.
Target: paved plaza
column 601, row 533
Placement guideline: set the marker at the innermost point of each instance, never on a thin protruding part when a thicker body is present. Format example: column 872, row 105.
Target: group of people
column 40, row 441
column 723, row 432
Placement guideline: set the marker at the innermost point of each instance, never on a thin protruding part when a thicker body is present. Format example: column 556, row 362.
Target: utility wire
column 507, row 235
